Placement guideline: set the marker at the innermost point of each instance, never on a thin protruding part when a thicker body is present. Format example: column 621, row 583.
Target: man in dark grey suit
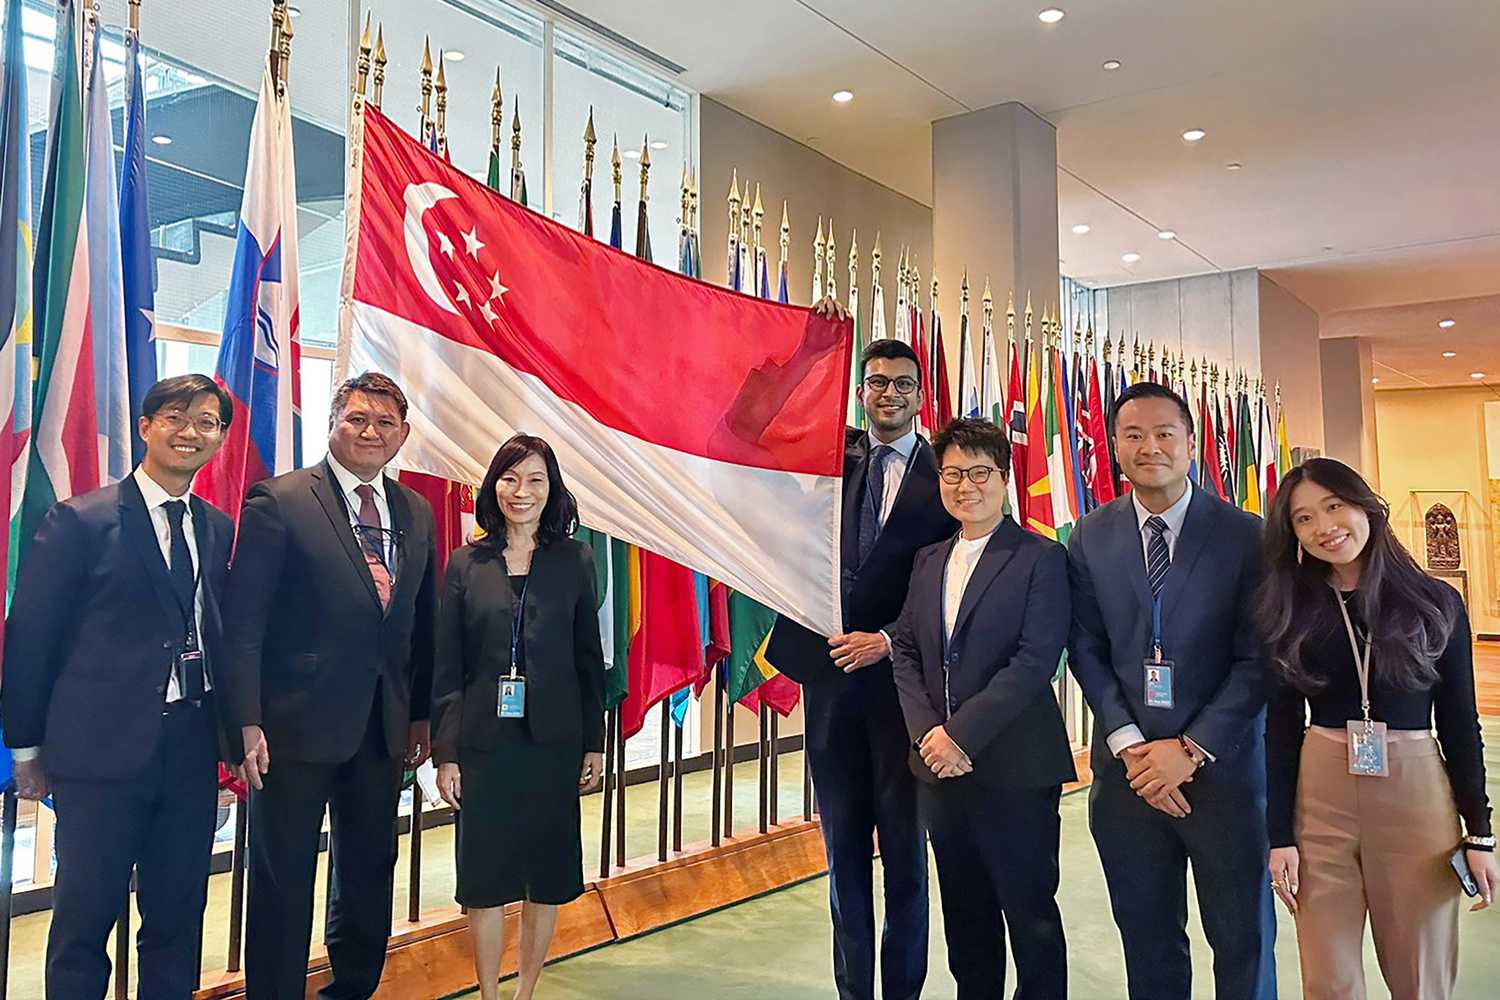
column 111, row 698
column 328, row 648
column 1165, row 648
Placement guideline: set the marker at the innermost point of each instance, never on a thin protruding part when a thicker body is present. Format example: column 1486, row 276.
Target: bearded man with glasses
column 112, row 661
column 856, row 741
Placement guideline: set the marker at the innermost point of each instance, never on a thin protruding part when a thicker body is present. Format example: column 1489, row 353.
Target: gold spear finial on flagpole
column 425, row 108
column 361, row 66
column 279, row 18
column 614, row 168
column 378, row 76
column 831, row 283
column 875, row 262
column 683, row 203
column 515, row 133
column 757, row 215
column 785, row 244
column 497, row 116
column 853, row 262
column 286, row 56
column 645, row 163
column 590, row 139
column 692, row 202
column 1027, row 318
column 819, row 254
column 441, row 88
column 963, row 294
column 745, row 219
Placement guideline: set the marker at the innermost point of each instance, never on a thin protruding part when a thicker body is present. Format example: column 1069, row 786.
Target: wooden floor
column 1487, row 677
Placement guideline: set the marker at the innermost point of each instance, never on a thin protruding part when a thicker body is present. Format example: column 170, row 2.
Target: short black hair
column 181, row 390
column 374, row 383
column 1149, row 390
column 890, row 348
column 559, row 513
column 976, row 436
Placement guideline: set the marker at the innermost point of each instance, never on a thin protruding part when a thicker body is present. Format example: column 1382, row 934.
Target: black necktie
column 185, row 585
column 1158, row 555
column 874, row 499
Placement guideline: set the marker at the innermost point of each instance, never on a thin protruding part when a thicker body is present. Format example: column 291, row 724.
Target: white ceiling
column 1408, row 345
column 1369, row 130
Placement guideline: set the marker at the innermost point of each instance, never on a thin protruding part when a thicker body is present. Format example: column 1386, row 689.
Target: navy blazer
column 94, row 628
column 1208, row 629
column 875, row 590
column 305, row 639
column 997, row 671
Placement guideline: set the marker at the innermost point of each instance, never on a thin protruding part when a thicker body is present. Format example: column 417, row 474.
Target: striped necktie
column 1158, row 555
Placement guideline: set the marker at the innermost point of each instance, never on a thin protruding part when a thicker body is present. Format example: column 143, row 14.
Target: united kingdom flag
column 260, row 356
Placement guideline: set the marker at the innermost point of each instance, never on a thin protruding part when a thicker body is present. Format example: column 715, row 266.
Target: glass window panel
column 635, row 106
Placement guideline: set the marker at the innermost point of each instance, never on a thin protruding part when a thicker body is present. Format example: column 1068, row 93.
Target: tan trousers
column 1376, row 846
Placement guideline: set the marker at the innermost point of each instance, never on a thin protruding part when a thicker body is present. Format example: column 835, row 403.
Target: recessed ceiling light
column 1476, row 375
column 843, row 96
column 632, row 154
column 1194, row 135
column 1234, row 166
column 1375, row 380
column 1166, row 234
column 1450, row 354
column 454, row 55
column 1446, row 324
column 1051, row 15
column 1111, row 64
column 162, row 139
column 1080, row 229
column 1131, row 257
column 658, row 144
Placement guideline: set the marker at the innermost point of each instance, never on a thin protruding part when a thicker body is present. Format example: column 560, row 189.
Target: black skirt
column 519, row 831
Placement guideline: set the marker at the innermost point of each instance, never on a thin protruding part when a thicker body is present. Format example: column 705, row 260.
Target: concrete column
column 994, row 208
column 1349, row 406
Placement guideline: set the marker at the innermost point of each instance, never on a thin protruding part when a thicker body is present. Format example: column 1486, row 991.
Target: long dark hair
column 1410, row 615
column 559, row 513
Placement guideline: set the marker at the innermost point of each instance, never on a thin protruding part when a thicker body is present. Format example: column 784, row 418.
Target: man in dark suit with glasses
column 328, row 670
column 856, row 739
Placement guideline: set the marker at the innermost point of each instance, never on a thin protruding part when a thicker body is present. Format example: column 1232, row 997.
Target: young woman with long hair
column 1365, row 804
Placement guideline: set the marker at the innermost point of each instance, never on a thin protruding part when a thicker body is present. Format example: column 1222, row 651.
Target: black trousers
column 996, row 853
column 286, row 819
column 1146, row 853
column 161, row 823
column 857, row 749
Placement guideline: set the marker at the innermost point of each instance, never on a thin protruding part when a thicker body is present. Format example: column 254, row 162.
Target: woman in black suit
column 518, row 706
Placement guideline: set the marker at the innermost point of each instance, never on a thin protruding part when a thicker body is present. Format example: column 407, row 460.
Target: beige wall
column 1434, row 439
column 1349, row 420
column 812, row 185
column 1289, row 355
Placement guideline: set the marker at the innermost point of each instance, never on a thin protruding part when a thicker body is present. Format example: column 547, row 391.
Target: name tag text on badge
column 1158, row 686
column 1367, row 755
column 512, row 698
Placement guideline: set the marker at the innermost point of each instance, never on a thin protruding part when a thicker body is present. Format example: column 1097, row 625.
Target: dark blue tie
column 1158, row 555
column 869, row 518
column 185, row 586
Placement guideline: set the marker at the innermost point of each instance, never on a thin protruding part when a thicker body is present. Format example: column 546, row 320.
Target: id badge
column 189, row 659
column 512, row 698
column 1158, row 684
column 1367, row 749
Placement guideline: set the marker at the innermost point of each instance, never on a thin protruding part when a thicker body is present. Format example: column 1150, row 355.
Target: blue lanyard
column 515, row 624
column 1156, row 627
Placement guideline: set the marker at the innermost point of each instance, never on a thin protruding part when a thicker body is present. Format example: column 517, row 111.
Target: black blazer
column 94, row 628
column 305, row 639
column 1007, row 642
column 873, row 592
column 564, row 660
column 1208, row 628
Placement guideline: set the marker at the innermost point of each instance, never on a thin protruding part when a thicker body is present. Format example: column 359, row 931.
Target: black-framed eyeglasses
column 977, row 474
column 205, row 424
column 905, row 384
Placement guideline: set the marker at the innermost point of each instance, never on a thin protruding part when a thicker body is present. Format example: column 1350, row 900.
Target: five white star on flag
column 472, row 244
column 445, row 245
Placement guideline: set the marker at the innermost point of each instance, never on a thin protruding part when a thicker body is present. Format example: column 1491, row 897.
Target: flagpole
column 830, row 283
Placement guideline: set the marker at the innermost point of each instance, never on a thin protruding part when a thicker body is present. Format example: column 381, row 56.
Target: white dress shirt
column 348, row 482
column 156, row 500
column 895, row 465
column 961, row 562
column 1129, row 735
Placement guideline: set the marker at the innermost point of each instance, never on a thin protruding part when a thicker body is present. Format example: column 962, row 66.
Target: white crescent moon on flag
column 419, row 198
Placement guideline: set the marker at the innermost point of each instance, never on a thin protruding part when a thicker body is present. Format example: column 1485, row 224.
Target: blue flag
column 135, row 246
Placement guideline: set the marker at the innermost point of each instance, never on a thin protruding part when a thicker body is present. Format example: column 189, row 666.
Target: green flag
column 749, row 624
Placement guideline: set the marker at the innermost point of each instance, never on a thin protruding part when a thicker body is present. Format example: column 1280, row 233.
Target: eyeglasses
column 205, row 424
column 904, row 384
column 978, row 474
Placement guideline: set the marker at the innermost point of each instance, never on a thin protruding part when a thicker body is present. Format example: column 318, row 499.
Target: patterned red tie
column 373, row 543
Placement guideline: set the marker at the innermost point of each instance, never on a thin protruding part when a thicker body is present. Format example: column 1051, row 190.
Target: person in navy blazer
column 107, row 707
column 1178, row 750
column 856, row 740
column 978, row 643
